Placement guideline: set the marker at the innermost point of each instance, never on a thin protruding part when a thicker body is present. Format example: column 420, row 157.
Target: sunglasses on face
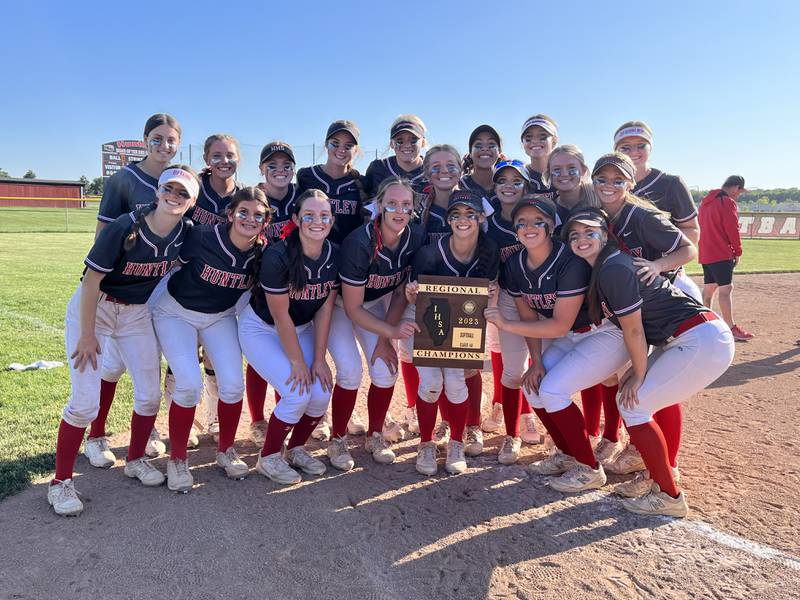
column 626, row 148
column 156, row 142
column 451, row 168
column 333, row 145
column 274, row 168
column 243, row 215
column 309, row 219
column 478, row 146
column 519, row 226
column 403, row 210
column 183, row 194
column 571, row 172
column 452, row 218
column 617, row 183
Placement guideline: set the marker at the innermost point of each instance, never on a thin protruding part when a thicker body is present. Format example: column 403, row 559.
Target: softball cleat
column 627, row 461
column 276, row 468
column 606, row 451
column 410, row 419
column 232, row 464
column 495, row 420
column 63, row 497
column 299, row 458
column 473, row 441
column 339, row 454
column 393, row 431
column 355, row 426
column 377, row 446
column 580, row 478
column 258, row 433
column 142, row 470
column 555, row 464
column 179, row 478
column 98, row 452
column 656, row 502
column 426, row 458
column 527, row 429
column 155, row 446
column 640, row 484
column 441, row 435
column 509, row 451
column 455, row 462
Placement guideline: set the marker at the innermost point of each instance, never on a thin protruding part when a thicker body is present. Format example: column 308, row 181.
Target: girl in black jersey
column 284, row 335
column 129, row 189
column 442, row 169
column 375, row 261
column 337, row 177
column 549, row 285
column 276, row 164
column 658, row 247
column 199, row 306
column 509, row 352
column 484, row 152
column 539, row 136
column 407, row 139
column 667, row 192
column 568, row 177
column 466, row 252
column 126, row 262
column 693, row 347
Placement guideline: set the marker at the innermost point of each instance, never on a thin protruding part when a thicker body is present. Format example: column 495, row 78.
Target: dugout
column 49, row 193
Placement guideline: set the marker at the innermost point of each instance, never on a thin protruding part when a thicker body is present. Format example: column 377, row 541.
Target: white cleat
column 393, row 431
column 277, row 469
column 355, row 426
column 426, row 458
column 473, row 441
column 63, row 497
column 339, row 454
column 495, row 420
column 232, row 464
column 155, row 447
column 410, row 419
column 143, row 471
column 299, row 458
column 527, row 429
column 509, row 451
column 98, row 452
column 455, row 462
column 322, row 431
column 656, row 502
column 579, row 478
column 377, row 446
column 258, row 433
column 441, row 435
column 179, row 478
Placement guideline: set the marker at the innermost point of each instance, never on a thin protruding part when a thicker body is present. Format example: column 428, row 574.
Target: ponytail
column 138, row 222
column 593, row 293
column 467, row 164
column 297, row 267
column 487, row 260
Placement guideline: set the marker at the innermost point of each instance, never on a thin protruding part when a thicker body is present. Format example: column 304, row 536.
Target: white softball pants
column 576, row 362
column 179, row 330
column 130, row 327
column 681, row 368
column 513, row 347
column 262, row 348
column 344, row 350
column 687, row 285
column 113, row 364
column 432, row 380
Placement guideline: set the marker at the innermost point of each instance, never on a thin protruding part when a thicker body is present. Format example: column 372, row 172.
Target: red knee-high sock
column 426, row 417
column 611, row 416
column 526, row 407
column 650, row 442
column 277, row 396
column 180, row 424
column 228, row 415
column 410, row 382
column 256, row 393
column 670, row 420
column 474, row 397
column 443, row 408
column 378, row 401
column 141, row 427
column 302, row 431
column 572, row 426
column 497, row 375
column 458, row 419
column 107, row 390
column 342, row 404
column 552, row 429
column 512, row 404
column 592, row 402
column 67, row 446
column 277, row 431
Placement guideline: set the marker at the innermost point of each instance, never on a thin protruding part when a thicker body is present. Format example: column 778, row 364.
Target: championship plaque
column 452, row 326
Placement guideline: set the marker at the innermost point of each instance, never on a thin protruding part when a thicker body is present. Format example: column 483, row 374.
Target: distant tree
column 29, row 175
column 4, row 173
column 83, row 180
column 95, row 188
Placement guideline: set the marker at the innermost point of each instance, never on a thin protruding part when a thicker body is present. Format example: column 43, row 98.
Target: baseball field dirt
column 385, row 532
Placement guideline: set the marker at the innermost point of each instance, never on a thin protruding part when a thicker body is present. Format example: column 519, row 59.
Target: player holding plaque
column 466, row 252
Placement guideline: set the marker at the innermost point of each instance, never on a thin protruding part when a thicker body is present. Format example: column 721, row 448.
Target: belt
column 582, row 329
column 116, row 300
column 694, row 321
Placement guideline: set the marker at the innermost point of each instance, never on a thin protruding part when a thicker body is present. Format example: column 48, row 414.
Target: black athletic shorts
column 720, row 273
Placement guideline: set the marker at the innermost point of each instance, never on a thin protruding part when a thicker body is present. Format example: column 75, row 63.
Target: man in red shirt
column 720, row 248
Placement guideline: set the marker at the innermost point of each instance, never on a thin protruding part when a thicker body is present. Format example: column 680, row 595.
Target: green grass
column 763, row 256
column 39, row 273
column 23, row 219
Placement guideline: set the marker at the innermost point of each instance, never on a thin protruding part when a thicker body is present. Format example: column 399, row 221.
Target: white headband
column 633, row 132
column 185, row 178
column 539, row 122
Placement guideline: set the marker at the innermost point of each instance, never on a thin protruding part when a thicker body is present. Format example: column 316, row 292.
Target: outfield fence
column 20, row 214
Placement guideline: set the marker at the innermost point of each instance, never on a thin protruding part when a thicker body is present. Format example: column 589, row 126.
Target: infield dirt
column 493, row 532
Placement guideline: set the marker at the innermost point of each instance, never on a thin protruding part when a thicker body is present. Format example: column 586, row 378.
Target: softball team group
column 587, row 295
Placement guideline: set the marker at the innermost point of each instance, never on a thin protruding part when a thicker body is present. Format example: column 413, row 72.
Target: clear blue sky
column 719, row 82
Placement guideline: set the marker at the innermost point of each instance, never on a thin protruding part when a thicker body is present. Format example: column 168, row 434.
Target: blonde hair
column 426, row 201
column 410, row 119
column 587, row 196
